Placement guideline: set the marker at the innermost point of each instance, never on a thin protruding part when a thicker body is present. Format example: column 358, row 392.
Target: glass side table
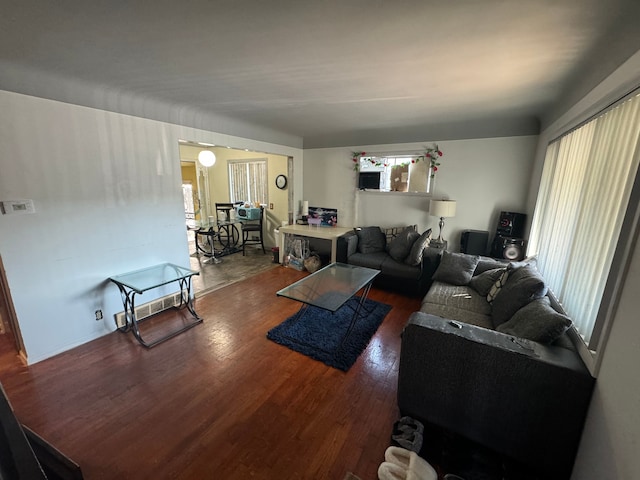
column 140, row 281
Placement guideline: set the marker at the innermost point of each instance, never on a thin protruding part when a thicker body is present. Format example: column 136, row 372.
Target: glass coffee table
column 331, row 288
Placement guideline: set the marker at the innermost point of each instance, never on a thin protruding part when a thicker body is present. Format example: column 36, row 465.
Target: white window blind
column 584, row 193
column 248, row 181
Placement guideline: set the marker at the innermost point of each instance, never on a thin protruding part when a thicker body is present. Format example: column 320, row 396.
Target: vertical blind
column 584, row 194
column 248, row 181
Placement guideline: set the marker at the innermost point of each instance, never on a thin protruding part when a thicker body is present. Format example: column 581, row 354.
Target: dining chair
column 249, row 229
column 223, row 211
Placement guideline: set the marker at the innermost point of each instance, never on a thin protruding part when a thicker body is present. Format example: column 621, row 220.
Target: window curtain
column 584, row 193
column 248, row 181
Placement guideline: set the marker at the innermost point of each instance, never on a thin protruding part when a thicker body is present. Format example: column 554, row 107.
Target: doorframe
column 10, row 323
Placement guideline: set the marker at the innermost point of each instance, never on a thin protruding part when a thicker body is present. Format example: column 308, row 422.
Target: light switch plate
column 14, row 207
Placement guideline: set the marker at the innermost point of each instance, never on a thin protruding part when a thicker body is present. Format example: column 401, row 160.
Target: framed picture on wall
column 323, row 217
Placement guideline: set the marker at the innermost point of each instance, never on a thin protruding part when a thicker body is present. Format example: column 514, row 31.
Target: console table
column 140, row 281
column 325, row 233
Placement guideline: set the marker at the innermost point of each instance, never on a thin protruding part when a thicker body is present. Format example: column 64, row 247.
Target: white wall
column 609, row 444
column 107, row 193
column 484, row 176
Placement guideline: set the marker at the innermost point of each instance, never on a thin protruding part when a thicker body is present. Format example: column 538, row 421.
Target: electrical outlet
column 98, row 315
column 271, row 206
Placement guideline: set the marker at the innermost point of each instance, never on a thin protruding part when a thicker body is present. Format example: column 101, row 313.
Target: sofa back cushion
column 370, row 239
column 400, row 247
column 482, row 283
column 537, row 321
column 523, row 285
column 456, row 268
column 486, row 263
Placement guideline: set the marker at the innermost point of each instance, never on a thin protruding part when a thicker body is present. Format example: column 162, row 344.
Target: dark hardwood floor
column 219, row 401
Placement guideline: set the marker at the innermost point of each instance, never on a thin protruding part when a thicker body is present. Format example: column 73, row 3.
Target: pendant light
column 206, row 158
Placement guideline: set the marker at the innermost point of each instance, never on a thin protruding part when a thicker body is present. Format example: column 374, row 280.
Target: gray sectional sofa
column 488, row 357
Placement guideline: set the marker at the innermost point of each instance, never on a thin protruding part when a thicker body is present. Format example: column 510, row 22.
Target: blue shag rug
column 318, row 333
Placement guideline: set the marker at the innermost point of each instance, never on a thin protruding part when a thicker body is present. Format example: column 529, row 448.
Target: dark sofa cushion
column 482, row 283
column 417, row 249
column 456, row 268
column 400, row 247
column 395, row 269
column 487, row 263
column 370, row 239
column 537, row 321
column 369, row 260
column 523, row 285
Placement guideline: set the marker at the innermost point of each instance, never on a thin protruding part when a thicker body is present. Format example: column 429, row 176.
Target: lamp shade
column 443, row 208
column 206, row 158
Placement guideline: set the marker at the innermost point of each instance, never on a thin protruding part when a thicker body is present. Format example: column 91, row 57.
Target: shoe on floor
column 410, row 440
column 402, row 464
column 410, row 422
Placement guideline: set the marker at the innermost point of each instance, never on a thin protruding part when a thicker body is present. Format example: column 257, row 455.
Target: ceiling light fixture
column 206, row 158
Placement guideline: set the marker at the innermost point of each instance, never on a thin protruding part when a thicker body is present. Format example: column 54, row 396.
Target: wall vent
column 151, row 308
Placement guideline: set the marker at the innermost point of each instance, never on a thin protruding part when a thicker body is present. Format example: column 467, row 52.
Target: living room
column 105, row 185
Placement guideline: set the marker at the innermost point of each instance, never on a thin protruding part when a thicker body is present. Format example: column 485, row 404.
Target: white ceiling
column 327, row 71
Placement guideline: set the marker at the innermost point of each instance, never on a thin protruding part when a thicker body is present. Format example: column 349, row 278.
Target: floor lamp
column 442, row 209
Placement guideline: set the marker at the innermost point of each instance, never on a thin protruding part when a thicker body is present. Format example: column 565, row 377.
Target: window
column 248, row 181
column 581, row 221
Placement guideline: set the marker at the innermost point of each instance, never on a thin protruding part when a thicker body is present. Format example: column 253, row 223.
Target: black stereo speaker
column 474, row 242
column 511, row 224
column 509, row 248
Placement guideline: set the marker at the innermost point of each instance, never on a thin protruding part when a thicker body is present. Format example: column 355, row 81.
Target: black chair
column 251, row 228
column 223, row 211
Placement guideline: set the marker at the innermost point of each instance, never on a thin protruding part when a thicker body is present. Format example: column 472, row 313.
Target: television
column 369, row 180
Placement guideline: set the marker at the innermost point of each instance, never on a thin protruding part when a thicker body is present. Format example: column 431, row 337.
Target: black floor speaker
column 509, row 248
column 474, row 242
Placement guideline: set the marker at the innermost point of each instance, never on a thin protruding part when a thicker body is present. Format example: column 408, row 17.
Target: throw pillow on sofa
column 456, row 268
column 370, row 239
column 523, row 285
column 496, row 288
column 482, row 283
column 400, row 247
column 417, row 249
column 537, row 321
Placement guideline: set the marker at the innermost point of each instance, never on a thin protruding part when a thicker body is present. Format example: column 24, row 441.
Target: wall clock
column 281, row 182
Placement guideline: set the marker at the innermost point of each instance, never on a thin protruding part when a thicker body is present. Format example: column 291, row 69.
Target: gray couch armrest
column 346, row 246
column 523, row 399
column 351, row 239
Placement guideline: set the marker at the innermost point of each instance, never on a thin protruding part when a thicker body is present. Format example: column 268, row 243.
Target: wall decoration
column 323, row 217
column 281, row 182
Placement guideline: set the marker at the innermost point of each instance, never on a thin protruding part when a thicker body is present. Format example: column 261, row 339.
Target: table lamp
column 442, row 209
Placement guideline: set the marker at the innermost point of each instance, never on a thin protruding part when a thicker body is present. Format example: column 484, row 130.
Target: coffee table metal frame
column 330, row 288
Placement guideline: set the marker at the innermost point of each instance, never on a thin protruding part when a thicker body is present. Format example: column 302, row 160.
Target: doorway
column 214, row 184
column 11, row 343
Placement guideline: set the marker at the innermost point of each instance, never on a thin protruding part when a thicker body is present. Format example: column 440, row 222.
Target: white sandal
column 404, row 464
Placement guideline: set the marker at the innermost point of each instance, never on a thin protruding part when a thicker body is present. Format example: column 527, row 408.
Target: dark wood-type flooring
column 219, row 401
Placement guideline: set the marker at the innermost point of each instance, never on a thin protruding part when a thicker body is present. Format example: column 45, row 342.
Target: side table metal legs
column 131, row 322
